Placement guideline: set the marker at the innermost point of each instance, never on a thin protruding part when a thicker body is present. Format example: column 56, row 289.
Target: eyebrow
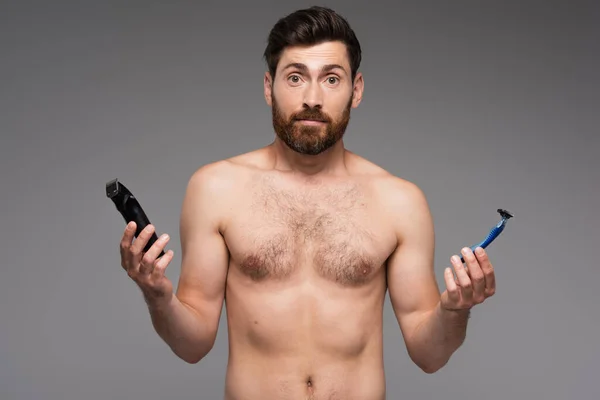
column 324, row 68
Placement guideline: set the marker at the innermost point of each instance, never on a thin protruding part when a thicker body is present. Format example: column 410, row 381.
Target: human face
column 312, row 95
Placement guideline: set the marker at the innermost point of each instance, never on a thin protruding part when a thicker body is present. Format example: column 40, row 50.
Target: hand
column 472, row 285
column 144, row 268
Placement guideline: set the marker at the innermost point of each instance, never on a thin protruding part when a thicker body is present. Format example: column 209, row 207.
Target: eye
column 332, row 80
column 294, row 78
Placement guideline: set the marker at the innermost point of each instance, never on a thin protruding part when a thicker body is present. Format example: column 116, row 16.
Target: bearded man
column 302, row 238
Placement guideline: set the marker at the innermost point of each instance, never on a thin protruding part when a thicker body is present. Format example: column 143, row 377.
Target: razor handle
column 494, row 232
column 130, row 209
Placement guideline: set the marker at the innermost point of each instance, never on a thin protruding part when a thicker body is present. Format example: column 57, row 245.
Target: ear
column 268, row 88
column 357, row 91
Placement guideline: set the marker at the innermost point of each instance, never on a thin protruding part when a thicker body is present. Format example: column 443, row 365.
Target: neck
column 330, row 162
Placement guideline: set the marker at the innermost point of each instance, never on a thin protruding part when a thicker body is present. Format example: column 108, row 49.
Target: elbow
column 429, row 366
column 194, row 357
column 193, row 354
column 191, row 360
column 432, row 368
column 429, row 363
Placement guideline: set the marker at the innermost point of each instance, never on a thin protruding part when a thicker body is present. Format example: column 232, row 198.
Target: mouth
column 311, row 121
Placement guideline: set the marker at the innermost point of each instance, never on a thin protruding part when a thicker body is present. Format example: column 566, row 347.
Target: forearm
column 437, row 337
column 182, row 328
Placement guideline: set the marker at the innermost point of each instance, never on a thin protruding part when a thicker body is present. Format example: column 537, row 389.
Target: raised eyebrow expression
column 324, row 69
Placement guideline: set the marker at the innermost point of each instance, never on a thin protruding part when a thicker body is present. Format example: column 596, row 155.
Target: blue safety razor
column 494, row 232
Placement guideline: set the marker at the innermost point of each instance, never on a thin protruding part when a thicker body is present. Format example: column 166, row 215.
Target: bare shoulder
column 211, row 183
column 215, row 187
column 400, row 199
column 400, row 193
column 389, row 189
column 223, row 176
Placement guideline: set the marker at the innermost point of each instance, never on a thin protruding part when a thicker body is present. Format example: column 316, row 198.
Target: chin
column 311, row 148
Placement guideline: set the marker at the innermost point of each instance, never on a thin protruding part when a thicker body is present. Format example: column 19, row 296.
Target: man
column 303, row 238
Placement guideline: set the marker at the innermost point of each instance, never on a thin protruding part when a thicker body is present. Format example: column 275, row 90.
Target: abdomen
column 251, row 376
column 304, row 337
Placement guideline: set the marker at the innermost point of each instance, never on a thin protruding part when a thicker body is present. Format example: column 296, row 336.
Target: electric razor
column 130, row 209
column 494, row 232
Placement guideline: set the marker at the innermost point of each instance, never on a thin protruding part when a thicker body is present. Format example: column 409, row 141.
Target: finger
column 463, row 280
column 475, row 274
column 125, row 243
column 128, row 234
column 488, row 272
column 451, row 287
column 137, row 252
column 149, row 258
column 161, row 265
column 137, row 249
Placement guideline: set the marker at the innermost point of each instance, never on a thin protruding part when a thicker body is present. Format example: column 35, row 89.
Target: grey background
column 484, row 105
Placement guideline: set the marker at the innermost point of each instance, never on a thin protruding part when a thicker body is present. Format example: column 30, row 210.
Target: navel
column 309, row 383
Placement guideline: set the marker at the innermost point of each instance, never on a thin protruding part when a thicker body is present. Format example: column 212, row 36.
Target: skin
column 303, row 248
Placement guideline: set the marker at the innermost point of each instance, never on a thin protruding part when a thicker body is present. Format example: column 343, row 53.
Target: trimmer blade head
column 112, row 188
column 505, row 214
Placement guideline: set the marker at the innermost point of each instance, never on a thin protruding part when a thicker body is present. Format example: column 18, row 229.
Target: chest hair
column 324, row 227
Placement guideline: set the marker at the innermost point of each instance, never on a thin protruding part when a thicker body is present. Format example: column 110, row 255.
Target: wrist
column 160, row 303
column 453, row 314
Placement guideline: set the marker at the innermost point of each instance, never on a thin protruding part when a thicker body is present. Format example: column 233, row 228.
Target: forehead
column 314, row 57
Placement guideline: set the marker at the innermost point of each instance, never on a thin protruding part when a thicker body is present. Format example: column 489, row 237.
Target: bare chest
column 334, row 232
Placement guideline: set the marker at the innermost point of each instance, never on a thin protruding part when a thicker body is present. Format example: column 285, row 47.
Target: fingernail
column 479, row 251
column 164, row 236
column 455, row 258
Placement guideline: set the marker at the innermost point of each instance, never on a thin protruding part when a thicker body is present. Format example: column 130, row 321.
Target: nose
column 313, row 96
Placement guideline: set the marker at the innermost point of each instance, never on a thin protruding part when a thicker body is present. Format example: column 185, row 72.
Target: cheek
column 340, row 107
column 287, row 98
column 285, row 106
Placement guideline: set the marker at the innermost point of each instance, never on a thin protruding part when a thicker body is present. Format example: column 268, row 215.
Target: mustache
column 311, row 114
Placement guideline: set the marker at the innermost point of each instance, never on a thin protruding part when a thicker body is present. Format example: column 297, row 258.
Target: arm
column 431, row 333
column 189, row 322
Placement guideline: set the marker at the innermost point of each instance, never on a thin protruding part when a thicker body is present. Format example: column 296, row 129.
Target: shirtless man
column 303, row 238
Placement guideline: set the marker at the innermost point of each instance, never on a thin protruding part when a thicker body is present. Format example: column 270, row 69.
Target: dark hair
column 308, row 27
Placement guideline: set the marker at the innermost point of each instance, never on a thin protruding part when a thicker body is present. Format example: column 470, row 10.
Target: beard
column 309, row 139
